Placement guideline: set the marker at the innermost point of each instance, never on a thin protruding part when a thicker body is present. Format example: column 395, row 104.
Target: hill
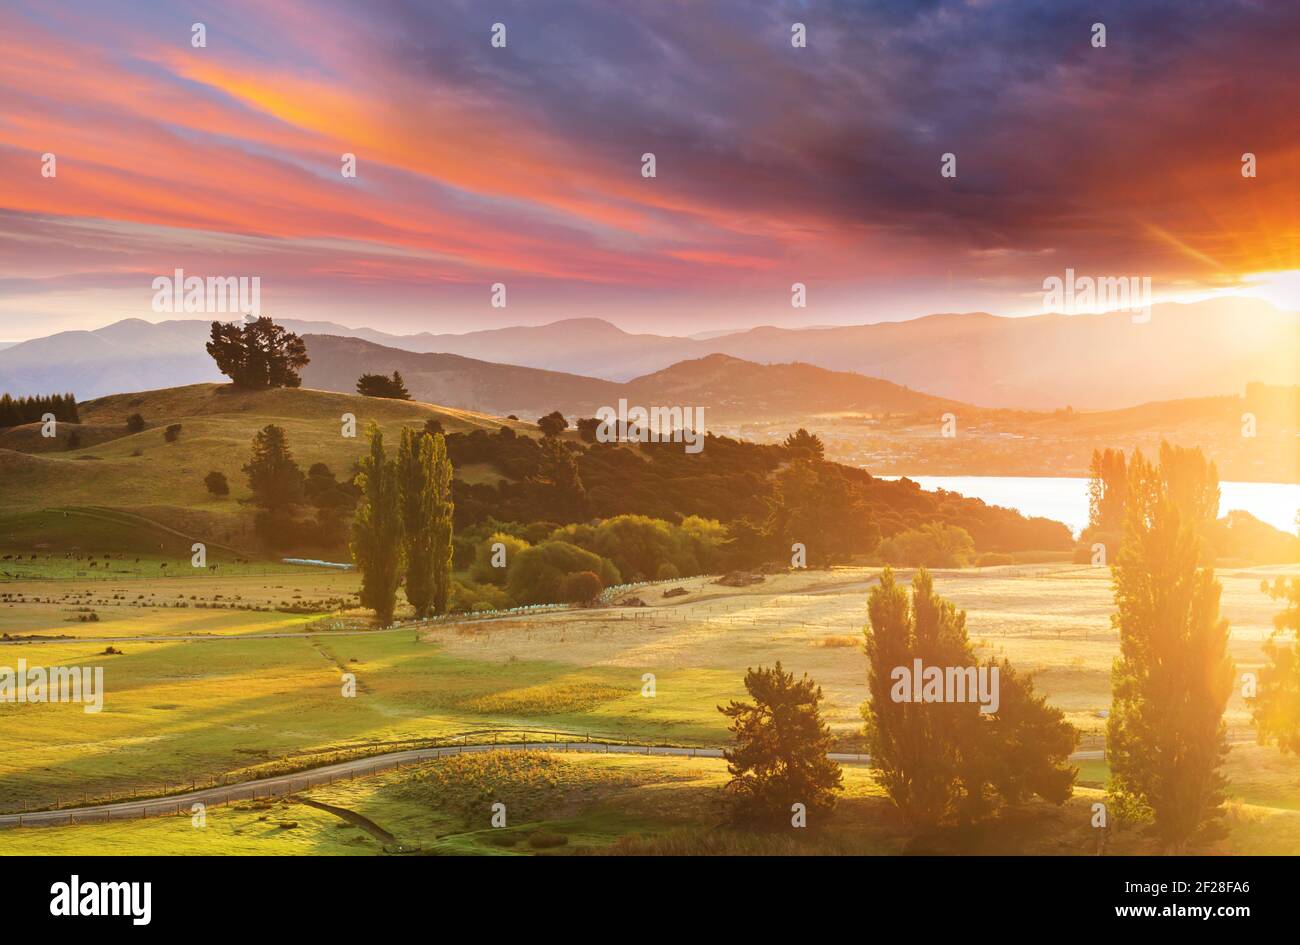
column 1104, row 361
column 500, row 389
column 143, row 473
column 730, row 390
column 499, row 474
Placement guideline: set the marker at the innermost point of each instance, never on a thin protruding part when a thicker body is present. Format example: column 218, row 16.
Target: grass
column 178, row 711
column 123, row 471
column 566, row 804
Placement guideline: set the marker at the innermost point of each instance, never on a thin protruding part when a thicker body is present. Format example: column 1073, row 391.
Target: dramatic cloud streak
column 522, row 165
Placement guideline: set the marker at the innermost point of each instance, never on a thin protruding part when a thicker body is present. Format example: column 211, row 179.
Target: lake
column 1066, row 499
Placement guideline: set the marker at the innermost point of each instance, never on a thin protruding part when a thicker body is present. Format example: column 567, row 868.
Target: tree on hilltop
column 377, row 385
column 258, row 354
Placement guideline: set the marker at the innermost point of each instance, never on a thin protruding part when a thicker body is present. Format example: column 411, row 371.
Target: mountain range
column 731, row 390
column 1099, row 361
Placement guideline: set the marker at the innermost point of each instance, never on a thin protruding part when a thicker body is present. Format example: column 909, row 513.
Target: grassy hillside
column 163, row 481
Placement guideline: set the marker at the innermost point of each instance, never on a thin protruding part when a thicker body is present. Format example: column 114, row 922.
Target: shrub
column 216, row 483
column 482, row 569
column 993, row 558
column 536, row 574
column 172, row 433
column 134, row 423
column 933, row 545
column 580, row 587
column 667, row 572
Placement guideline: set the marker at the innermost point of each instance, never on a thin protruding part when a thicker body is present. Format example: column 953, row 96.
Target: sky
column 523, row 165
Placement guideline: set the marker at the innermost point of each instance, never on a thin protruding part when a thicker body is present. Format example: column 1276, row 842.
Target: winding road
column 282, row 785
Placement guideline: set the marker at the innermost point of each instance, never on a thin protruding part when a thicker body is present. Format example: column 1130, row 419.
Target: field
column 206, row 693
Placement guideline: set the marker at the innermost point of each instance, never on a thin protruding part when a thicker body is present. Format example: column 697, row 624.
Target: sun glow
column 1282, row 288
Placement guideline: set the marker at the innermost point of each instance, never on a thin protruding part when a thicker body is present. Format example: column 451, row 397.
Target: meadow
column 230, row 700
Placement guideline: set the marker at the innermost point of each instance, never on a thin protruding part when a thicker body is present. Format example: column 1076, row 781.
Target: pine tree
column 1166, row 738
column 780, row 757
column 557, row 472
column 377, row 531
column 273, row 476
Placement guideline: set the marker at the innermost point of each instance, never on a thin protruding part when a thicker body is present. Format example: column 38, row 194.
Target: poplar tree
column 443, row 512
column 424, row 474
column 1276, row 709
column 415, row 483
column 377, row 531
column 1166, row 739
column 948, row 761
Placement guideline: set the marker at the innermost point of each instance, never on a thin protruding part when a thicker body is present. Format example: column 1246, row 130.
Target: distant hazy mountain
column 730, row 390
column 1045, row 361
column 450, row 379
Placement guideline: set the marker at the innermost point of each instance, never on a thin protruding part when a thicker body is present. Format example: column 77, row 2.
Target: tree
column 944, row 759
column 557, row 474
column 1166, row 738
column 1106, row 489
column 1276, row 709
column 216, row 483
column 377, row 531
column 258, row 354
column 273, row 476
column 553, row 424
column 812, row 504
column 587, row 427
column 134, row 423
column 780, row 753
column 914, row 747
column 425, row 475
column 74, row 440
column 172, row 433
column 807, row 445
column 1191, row 482
column 377, row 385
column 444, row 511
column 415, row 475
column 433, row 426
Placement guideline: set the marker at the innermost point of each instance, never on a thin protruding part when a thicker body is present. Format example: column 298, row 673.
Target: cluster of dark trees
column 770, row 496
column 377, row 385
column 281, row 491
column 404, row 525
column 15, row 411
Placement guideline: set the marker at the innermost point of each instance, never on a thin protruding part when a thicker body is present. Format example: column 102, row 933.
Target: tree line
column 16, row 411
